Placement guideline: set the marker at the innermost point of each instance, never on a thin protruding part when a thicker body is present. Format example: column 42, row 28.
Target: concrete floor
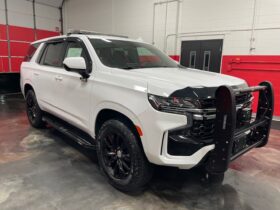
column 42, row 169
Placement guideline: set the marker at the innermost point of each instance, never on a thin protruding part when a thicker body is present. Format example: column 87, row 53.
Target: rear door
column 49, row 64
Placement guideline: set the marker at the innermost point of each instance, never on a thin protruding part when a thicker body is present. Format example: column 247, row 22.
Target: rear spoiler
column 226, row 134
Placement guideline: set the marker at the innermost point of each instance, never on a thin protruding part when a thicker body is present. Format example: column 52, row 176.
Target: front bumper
column 165, row 146
column 227, row 138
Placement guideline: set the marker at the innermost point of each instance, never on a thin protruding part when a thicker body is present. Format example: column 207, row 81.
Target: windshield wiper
column 127, row 67
column 158, row 67
column 181, row 67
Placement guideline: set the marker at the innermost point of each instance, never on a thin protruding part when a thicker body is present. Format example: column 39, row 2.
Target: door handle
column 36, row 74
column 58, row 78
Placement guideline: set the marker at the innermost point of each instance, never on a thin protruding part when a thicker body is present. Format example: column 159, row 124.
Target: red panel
column 3, row 48
column 175, row 57
column 41, row 34
column 16, row 62
column 3, row 32
column 19, row 48
column 4, row 65
column 18, row 33
column 255, row 69
column 21, row 33
column 148, row 58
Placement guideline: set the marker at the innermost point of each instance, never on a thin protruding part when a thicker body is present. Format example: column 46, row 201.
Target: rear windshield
column 31, row 50
column 130, row 55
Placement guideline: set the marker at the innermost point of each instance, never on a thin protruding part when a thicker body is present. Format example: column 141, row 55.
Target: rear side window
column 53, row 54
column 31, row 51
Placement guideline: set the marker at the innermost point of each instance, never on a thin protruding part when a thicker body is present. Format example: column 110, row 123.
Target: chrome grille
column 204, row 123
column 210, row 102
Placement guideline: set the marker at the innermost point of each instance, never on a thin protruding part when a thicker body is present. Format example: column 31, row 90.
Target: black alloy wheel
column 31, row 108
column 117, row 158
column 33, row 111
column 121, row 157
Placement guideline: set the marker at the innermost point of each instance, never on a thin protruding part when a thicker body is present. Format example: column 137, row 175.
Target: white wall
column 231, row 20
column 20, row 13
column 88, row 15
column 2, row 12
column 20, row 30
column 47, row 18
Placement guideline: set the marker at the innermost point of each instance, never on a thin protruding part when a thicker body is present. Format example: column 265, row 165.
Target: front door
column 202, row 54
column 73, row 95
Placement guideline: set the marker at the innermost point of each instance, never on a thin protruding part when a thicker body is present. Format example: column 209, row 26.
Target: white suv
column 137, row 107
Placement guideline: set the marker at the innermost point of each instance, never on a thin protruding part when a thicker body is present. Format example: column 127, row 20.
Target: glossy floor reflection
column 42, row 169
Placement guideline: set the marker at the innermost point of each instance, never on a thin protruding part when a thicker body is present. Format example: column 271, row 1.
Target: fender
column 116, row 107
column 24, row 83
column 121, row 109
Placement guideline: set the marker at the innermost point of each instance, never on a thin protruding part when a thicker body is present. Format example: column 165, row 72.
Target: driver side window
column 74, row 49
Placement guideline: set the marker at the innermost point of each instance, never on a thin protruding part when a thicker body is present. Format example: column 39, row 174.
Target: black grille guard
column 225, row 133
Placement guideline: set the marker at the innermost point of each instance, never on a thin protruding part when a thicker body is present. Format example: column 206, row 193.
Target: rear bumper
column 227, row 138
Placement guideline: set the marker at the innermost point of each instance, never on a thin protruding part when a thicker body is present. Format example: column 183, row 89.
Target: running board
column 74, row 133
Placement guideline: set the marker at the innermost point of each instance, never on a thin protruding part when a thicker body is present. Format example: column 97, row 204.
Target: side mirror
column 76, row 64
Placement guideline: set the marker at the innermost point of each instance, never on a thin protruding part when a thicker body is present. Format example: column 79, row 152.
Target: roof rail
column 85, row 32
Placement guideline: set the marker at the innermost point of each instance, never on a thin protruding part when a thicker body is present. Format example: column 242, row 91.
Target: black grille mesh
column 202, row 129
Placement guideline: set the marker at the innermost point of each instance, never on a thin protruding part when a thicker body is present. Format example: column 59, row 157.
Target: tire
column 210, row 179
column 215, row 180
column 121, row 157
column 33, row 111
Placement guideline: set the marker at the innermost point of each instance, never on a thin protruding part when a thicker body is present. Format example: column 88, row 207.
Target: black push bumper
column 227, row 137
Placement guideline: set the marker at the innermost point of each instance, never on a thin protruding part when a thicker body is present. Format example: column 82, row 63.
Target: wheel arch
column 27, row 87
column 108, row 111
column 111, row 113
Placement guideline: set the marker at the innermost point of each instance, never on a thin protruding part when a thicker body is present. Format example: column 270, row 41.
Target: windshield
column 130, row 55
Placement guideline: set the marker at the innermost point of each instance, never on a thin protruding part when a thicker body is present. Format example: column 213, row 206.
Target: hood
column 170, row 81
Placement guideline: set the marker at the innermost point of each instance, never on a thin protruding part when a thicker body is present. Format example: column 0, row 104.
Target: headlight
column 172, row 104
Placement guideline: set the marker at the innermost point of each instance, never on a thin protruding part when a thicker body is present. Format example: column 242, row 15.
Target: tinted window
column 53, row 55
column 130, row 55
column 31, row 51
column 74, row 49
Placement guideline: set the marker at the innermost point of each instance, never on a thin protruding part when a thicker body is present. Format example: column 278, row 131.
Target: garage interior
column 44, row 169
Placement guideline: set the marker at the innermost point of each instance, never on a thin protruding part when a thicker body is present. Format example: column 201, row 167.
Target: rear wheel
column 34, row 113
column 121, row 157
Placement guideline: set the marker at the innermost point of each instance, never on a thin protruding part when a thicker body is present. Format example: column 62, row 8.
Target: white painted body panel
column 79, row 102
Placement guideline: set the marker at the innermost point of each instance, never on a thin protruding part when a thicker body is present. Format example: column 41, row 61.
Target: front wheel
column 214, row 179
column 121, row 158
